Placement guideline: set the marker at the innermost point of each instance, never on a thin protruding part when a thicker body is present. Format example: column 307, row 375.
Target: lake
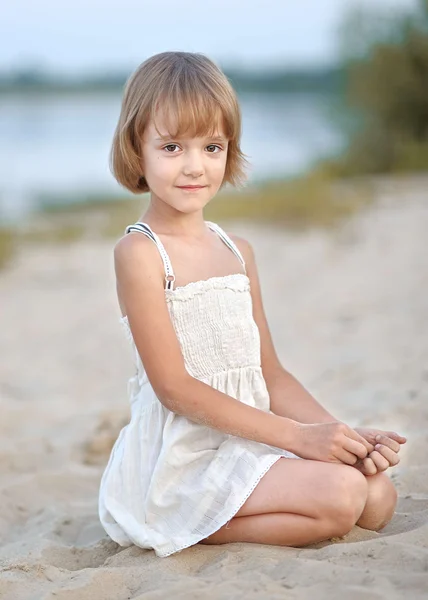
column 59, row 145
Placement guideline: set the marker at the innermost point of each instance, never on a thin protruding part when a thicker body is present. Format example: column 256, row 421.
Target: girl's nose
column 193, row 165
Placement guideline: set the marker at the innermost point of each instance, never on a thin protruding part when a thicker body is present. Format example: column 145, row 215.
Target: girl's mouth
column 191, row 188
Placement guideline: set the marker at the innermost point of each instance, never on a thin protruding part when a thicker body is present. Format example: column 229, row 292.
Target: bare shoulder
column 134, row 247
column 244, row 247
column 135, row 255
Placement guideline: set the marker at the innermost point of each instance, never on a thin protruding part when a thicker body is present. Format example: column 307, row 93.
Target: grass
column 7, row 245
column 314, row 200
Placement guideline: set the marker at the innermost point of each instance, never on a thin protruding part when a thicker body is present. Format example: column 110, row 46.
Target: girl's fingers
column 396, row 436
column 346, row 457
column 387, row 441
column 366, row 466
column 351, row 434
column 380, row 461
column 391, row 456
column 369, row 466
column 357, row 445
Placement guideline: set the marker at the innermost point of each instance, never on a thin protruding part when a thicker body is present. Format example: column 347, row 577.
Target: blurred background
column 328, row 91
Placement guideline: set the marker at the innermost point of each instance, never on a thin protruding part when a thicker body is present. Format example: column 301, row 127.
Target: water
column 60, row 144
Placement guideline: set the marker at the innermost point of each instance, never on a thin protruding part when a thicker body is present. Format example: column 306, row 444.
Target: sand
column 348, row 311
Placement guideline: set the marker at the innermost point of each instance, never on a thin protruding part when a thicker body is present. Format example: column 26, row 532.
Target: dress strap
column 226, row 239
column 144, row 228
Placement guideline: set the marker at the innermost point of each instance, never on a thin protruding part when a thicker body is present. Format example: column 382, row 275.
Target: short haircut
column 194, row 90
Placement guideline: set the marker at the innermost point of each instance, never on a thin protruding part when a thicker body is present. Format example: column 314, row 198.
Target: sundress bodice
column 212, row 318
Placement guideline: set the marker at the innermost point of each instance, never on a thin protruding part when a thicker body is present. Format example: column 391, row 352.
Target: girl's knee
column 350, row 496
column 352, row 491
column 381, row 502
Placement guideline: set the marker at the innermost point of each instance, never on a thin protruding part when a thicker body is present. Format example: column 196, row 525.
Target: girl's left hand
column 385, row 454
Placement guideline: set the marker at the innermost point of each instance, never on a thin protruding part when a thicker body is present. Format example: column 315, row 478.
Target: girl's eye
column 214, row 146
column 171, row 146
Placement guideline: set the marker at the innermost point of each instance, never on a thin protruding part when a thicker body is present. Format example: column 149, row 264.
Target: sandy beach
column 348, row 312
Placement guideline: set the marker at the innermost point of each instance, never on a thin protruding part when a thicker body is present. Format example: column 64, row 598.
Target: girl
column 212, row 409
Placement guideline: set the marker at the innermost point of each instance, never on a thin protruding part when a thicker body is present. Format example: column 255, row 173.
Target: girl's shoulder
column 137, row 250
column 132, row 243
column 243, row 246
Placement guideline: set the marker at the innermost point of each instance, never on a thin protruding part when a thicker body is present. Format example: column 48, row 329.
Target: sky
column 83, row 36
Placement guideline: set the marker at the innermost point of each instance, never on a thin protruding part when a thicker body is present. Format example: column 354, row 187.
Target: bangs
column 193, row 111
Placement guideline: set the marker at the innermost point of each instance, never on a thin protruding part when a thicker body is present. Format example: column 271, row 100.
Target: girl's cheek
column 219, row 168
column 160, row 167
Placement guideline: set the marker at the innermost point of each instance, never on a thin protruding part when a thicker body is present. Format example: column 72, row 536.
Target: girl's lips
column 191, row 187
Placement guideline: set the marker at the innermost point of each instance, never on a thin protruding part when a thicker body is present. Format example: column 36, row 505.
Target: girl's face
column 169, row 165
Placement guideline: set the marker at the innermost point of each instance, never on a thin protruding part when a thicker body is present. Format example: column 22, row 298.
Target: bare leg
column 279, row 529
column 381, row 502
column 298, row 502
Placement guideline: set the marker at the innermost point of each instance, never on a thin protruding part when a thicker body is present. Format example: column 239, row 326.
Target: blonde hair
column 194, row 91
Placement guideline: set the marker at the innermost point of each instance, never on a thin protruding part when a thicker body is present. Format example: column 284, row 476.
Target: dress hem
column 171, row 548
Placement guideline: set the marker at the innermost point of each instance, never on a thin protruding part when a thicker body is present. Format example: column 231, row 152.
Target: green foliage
column 312, row 200
column 7, row 245
column 386, row 66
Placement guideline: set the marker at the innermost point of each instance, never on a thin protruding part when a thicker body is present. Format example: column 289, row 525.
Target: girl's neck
column 188, row 226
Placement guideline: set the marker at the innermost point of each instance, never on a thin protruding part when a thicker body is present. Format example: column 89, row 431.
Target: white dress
column 169, row 481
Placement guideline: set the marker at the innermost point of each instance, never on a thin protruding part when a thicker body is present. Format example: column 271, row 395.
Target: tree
column 385, row 59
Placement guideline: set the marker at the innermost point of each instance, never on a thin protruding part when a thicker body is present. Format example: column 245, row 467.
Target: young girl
column 212, row 409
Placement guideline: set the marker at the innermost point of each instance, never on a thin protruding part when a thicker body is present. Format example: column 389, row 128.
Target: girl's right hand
column 330, row 442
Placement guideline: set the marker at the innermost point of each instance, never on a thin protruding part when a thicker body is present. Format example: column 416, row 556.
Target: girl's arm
column 288, row 397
